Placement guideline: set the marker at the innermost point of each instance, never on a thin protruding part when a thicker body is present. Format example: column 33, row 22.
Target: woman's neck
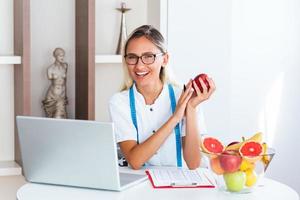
column 150, row 92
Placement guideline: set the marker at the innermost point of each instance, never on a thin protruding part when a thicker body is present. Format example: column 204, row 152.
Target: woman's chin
column 145, row 82
column 141, row 80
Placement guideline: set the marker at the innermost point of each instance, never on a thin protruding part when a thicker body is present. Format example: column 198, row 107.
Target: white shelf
column 10, row 60
column 9, row 168
column 108, row 59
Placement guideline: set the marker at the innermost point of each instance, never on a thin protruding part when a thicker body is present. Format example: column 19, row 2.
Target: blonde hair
column 158, row 40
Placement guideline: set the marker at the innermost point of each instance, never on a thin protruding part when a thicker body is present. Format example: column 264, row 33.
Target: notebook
column 180, row 178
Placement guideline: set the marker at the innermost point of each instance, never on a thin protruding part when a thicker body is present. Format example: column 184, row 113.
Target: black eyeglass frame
column 141, row 57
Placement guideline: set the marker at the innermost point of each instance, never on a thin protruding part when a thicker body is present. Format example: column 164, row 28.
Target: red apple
column 230, row 161
column 204, row 79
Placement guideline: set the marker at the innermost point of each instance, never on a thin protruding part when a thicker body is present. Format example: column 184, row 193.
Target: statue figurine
column 123, row 28
column 56, row 100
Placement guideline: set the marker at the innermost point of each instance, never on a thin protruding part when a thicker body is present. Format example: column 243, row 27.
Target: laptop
column 68, row 152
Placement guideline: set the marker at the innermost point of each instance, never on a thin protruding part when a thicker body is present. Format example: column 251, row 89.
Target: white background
column 250, row 48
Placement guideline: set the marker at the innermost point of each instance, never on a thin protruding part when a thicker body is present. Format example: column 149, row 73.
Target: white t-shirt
column 149, row 119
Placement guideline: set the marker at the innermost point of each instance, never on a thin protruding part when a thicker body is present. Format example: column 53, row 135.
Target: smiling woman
column 156, row 122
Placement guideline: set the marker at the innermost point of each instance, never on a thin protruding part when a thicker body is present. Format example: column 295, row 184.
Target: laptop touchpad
column 126, row 178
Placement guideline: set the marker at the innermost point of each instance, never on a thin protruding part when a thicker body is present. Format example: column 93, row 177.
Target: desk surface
column 271, row 190
column 9, row 186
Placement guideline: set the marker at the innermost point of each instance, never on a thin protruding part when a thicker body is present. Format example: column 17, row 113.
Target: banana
column 257, row 137
column 265, row 158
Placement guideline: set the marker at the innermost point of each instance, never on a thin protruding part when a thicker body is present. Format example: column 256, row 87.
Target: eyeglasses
column 148, row 58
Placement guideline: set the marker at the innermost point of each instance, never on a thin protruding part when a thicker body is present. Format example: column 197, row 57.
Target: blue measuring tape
column 177, row 130
column 133, row 112
column 173, row 106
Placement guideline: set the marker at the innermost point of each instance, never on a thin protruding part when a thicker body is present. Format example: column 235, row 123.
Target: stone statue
column 56, row 100
column 123, row 28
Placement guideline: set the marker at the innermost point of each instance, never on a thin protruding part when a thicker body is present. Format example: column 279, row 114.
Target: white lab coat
column 149, row 119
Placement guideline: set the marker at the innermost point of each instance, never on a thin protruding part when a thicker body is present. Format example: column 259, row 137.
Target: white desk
column 271, row 190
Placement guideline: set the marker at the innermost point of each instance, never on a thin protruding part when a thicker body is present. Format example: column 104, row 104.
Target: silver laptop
column 71, row 152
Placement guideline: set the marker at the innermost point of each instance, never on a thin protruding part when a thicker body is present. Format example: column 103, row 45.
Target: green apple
column 235, row 181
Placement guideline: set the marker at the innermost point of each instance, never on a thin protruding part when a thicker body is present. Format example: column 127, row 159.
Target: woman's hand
column 182, row 101
column 199, row 96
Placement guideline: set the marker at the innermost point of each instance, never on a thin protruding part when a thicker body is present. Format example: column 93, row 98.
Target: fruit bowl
column 238, row 167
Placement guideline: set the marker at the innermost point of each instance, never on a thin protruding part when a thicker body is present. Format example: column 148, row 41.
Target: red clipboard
column 175, row 186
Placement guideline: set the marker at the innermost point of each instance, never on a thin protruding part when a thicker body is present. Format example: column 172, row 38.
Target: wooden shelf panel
column 9, row 168
column 85, row 59
column 108, row 59
column 10, row 60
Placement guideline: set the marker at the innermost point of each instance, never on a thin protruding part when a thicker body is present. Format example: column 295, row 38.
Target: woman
column 148, row 114
column 56, row 99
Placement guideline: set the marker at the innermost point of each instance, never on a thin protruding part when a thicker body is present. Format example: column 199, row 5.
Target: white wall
column 52, row 25
column 251, row 49
column 6, row 82
column 158, row 15
column 199, row 41
column 108, row 81
column 265, row 78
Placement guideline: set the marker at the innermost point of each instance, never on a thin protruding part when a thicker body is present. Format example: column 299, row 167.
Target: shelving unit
column 22, row 94
column 21, row 64
column 10, row 60
column 9, row 168
column 85, row 59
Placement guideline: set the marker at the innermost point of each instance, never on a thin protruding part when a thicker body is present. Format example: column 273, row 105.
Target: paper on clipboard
column 180, row 178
